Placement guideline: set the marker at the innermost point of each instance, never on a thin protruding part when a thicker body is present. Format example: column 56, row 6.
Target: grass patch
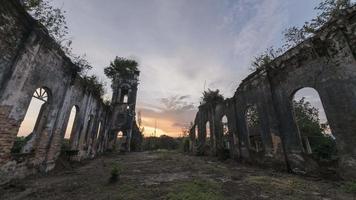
column 350, row 187
column 195, row 190
column 286, row 184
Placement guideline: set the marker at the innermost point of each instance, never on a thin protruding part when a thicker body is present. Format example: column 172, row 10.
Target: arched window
column 99, row 130
column 71, row 121
column 33, row 122
column 125, row 99
column 253, row 123
column 120, row 135
column 310, row 117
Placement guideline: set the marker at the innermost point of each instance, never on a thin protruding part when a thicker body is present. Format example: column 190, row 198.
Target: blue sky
column 180, row 45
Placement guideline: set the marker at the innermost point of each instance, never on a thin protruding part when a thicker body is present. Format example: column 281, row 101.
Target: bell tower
column 123, row 109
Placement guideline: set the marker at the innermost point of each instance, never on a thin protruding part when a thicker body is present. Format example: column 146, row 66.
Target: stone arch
column 33, row 122
column 253, row 127
column 312, row 123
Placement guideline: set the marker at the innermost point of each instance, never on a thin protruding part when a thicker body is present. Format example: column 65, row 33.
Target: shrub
column 115, row 173
column 19, row 143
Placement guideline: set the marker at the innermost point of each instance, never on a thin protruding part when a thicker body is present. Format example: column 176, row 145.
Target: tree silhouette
column 121, row 66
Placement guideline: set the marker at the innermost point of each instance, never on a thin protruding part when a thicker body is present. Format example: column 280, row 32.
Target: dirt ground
column 172, row 176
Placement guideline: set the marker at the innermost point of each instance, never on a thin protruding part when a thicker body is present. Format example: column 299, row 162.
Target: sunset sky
column 181, row 45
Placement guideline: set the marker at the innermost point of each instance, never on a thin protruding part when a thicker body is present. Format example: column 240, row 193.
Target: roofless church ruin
column 32, row 66
column 326, row 62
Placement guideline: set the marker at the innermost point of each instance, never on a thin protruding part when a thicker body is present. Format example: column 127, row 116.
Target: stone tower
column 123, row 110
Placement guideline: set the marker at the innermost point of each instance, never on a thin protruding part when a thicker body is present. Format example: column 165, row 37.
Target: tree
column 121, row 66
column 307, row 118
column 212, row 97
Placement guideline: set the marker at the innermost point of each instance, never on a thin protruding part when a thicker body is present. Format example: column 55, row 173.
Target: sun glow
column 163, row 127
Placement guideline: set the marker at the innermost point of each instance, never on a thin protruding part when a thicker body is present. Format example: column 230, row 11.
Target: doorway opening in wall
column 208, row 132
column 196, row 134
column 225, row 128
column 97, row 136
column 314, row 130
column 253, row 123
column 98, row 131
column 33, row 122
column 121, row 139
column 69, row 134
column 225, row 154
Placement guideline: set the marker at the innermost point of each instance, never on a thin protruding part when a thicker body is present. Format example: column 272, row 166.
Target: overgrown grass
column 195, row 190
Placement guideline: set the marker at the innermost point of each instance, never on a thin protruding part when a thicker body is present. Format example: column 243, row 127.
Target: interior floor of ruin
column 172, row 176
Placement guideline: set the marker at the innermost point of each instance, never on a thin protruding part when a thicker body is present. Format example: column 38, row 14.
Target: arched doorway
column 315, row 133
column 33, row 122
column 225, row 136
column 208, row 131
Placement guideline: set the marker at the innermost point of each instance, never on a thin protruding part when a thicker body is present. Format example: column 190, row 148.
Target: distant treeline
column 165, row 142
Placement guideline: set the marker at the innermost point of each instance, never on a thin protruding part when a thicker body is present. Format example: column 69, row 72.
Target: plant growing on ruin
column 19, row 143
column 93, row 85
column 55, row 22
column 121, row 66
column 327, row 9
column 212, row 97
column 261, row 61
column 82, row 63
column 52, row 18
